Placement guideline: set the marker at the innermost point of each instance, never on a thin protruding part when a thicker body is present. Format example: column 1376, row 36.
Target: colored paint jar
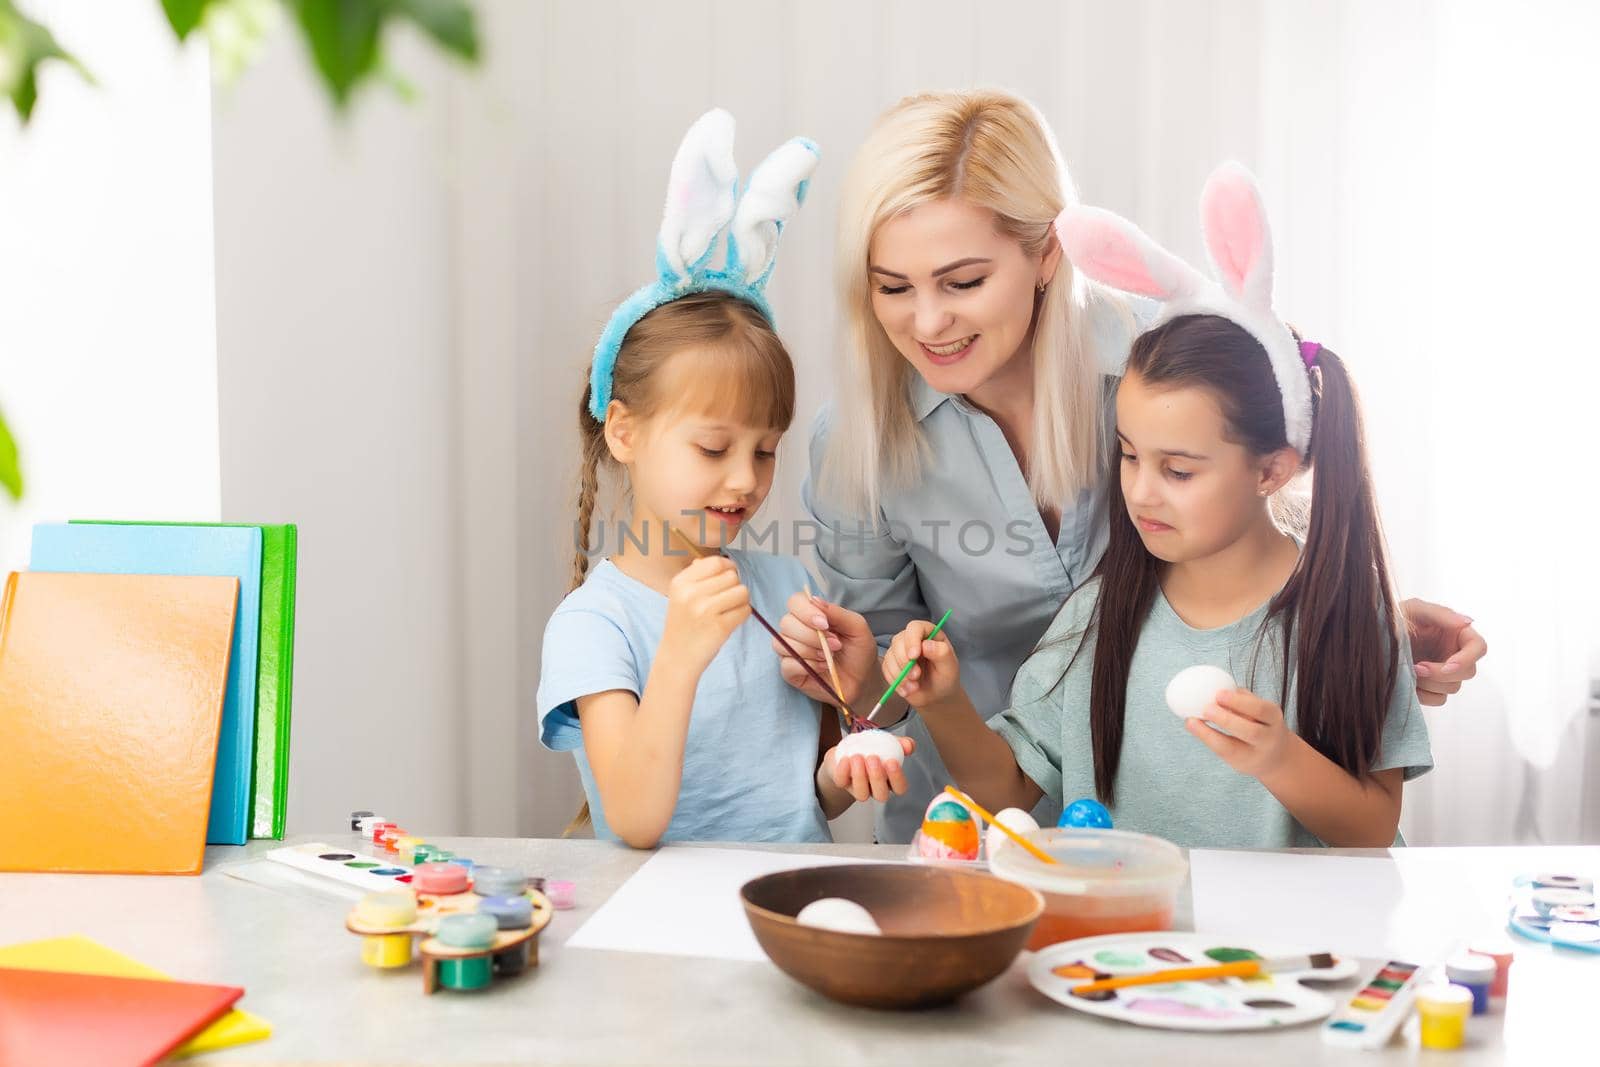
column 510, row 913
column 1563, row 881
column 471, row 931
column 1500, row 949
column 389, row 837
column 1477, row 974
column 365, row 824
column 498, row 882
column 423, row 853
column 375, row 830
column 440, row 879
column 356, row 817
column 1545, row 901
column 563, row 895
column 393, row 910
column 405, row 845
column 1443, row 1010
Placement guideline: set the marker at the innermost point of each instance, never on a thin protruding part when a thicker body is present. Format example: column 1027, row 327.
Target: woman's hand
column 855, row 649
column 1446, row 649
column 1258, row 739
column 936, row 675
column 865, row 777
column 706, row 602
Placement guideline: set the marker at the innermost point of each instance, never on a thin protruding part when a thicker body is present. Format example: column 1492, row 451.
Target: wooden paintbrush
column 1238, row 969
column 694, row 550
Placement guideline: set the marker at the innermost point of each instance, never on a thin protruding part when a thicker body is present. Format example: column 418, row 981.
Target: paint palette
column 1262, row 1002
column 370, row 873
column 1558, row 909
column 432, row 909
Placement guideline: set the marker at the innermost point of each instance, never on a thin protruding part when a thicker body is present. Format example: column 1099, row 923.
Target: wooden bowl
column 945, row 931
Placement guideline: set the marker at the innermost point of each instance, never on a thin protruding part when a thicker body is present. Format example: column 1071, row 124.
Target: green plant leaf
column 10, row 469
column 24, row 44
column 345, row 36
column 449, row 22
column 185, row 15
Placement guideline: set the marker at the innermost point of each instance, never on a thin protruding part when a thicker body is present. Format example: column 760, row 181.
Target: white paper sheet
column 685, row 902
column 1416, row 904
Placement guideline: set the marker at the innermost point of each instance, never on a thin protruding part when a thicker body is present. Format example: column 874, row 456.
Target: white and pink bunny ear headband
column 1115, row 252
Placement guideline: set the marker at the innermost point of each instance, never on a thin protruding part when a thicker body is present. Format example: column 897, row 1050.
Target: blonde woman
column 962, row 464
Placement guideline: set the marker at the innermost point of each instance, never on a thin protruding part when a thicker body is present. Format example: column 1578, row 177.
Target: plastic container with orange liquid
column 1107, row 881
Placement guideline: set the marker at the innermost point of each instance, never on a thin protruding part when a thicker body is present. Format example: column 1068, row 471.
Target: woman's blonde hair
column 740, row 369
column 991, row 149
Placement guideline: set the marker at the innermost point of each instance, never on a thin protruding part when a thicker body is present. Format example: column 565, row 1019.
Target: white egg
column 1193, row 689
column 1014, row 819
column 837, row 913
column 880, row 743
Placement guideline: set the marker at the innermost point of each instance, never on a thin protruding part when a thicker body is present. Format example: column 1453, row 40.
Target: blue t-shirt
column 749, row 761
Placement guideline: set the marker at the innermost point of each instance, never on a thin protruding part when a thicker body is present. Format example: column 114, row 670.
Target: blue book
column 225, row 551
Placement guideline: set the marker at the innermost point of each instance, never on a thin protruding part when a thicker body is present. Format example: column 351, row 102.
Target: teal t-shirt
column 749, row 762
column 1169, row 783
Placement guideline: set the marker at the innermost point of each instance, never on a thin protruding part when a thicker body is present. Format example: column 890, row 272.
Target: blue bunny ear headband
column 704, row 201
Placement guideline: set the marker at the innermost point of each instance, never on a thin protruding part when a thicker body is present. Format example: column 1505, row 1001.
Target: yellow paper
column 79, row 955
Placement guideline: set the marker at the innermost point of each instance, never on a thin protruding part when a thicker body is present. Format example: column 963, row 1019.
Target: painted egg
column 837, row 913
column 1013, row 819
column 880, row 743
column 1193, row 689
column 949, row 832
column 1086, row 813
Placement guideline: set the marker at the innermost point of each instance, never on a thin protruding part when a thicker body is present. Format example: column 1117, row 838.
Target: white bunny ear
column 1110, row 249
column 701, row 192
column 774, row 193
column 1237, row 237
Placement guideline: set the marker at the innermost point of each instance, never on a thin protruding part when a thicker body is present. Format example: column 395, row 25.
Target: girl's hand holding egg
column 1258, row 738
column 868, row 764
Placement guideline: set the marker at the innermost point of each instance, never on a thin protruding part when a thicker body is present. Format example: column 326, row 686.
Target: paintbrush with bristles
column 844, row 706
column 1316, row 961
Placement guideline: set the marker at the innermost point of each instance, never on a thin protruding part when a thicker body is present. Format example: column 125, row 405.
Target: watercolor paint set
column 1276, row 995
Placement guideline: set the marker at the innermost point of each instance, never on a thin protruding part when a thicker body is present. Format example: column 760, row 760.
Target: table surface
column 301, row 970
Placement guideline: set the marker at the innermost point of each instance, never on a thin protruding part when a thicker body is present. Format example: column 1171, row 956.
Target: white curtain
column 1431, row 167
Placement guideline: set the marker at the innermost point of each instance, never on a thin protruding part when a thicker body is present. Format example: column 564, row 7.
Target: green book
column 269, row 780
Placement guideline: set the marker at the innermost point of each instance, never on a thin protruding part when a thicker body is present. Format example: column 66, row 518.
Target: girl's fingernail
column 820, row 622
column 1422, row 670
column 835, row 644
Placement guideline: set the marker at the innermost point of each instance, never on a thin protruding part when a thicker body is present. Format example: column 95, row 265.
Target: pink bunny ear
column 1237, row 237
column 1112, row 250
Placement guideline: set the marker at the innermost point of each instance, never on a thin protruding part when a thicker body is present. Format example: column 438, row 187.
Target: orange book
column 111, row 690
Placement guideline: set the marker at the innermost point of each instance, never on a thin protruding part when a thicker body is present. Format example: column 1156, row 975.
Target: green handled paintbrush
column 889, row 692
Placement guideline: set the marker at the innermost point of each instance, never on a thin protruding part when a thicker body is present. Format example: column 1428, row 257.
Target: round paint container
column 1546, row 901
column 509, row 913
column 563, row 895
column 1443, row 1010
column 394, row 910
column 423, row 852
column 440, row 879
column 365, row 824
column 498, row 882
column 471, row 931
column 1104, row 881
column 1477, row 974
column 355, row 819
column 1563, row 881
column 1499, row 948
column 376, row 828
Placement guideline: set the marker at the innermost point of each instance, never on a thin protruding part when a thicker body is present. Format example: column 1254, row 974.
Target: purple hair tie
column 1309, row 351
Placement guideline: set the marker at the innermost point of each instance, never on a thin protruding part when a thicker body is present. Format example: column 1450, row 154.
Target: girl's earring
column 1041, row 285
